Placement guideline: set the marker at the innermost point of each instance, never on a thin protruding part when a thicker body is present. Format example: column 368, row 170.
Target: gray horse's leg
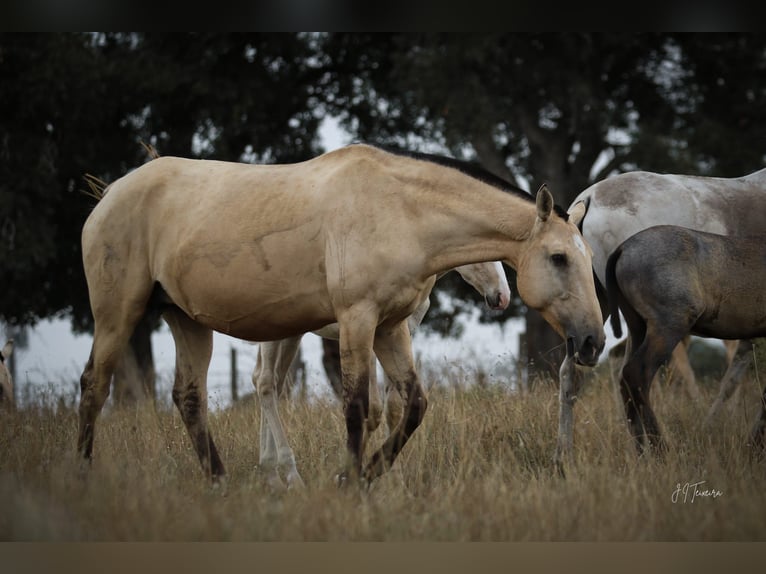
column 679, row 361
column 635, row 385
column 272, row 366
column 393, row 346
column 194, row 347
column 736, row 370
column 570, row 380
column 758, row 434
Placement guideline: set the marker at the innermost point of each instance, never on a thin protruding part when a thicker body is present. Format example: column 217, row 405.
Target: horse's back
column 624, row 204
column 251, row 250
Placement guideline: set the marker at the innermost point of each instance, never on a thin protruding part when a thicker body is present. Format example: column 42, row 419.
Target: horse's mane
column 472, row 169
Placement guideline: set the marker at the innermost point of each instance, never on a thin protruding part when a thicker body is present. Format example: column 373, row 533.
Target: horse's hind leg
column 759, row 429
column 393, row 348
column 635, row 385
column 680, row 364
column 194, row 347
column 734, row 373
column 272, row 366
column 115, row 317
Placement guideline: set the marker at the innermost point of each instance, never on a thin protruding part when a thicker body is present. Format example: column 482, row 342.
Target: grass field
column 478, row 469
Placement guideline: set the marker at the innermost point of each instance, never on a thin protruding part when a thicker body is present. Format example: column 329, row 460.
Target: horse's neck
column 470, row 225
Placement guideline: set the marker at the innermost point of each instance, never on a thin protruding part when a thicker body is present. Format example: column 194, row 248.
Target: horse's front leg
column 393, row 348
column 357, row 331
column 570, row 380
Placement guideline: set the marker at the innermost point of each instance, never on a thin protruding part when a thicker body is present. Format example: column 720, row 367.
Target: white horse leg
column 393, row 346
column 194, row 348
column 734, row 373
column 273, row 364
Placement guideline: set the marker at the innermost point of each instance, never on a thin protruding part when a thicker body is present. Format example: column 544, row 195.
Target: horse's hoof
column 341, row 480
column 271, row 479
column 220, row 485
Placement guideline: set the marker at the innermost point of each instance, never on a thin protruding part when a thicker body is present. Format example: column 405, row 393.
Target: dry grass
column 479, row 468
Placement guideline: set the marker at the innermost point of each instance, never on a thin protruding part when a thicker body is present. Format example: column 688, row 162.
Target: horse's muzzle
column 497, row 301
column 588, row 352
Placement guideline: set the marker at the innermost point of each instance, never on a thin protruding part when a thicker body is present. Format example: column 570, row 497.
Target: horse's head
column 6, row 383
column 555, row 277
column 488, row 279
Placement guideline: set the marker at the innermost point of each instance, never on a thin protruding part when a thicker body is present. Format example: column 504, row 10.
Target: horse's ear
column 577, row 212
column 544, row 203
column 8, row 349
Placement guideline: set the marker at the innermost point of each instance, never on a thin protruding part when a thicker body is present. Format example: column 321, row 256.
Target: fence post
column 234, row 394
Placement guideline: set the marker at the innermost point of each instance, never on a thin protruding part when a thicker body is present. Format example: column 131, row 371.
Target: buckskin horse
column 670, row 282
column 354, row 236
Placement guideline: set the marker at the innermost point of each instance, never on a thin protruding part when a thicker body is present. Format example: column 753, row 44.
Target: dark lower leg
column 92, row 398
column 414, row 412
column 633, row 416
column 356, row 411
column 190, row 405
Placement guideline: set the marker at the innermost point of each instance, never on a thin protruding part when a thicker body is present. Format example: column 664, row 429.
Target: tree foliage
column 73, row 104
column 567, row 109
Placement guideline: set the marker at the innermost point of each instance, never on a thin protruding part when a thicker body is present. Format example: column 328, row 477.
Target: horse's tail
column 613, row 291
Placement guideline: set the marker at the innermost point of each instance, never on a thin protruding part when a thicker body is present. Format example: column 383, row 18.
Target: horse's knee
column 264, row 384
column 189, row 402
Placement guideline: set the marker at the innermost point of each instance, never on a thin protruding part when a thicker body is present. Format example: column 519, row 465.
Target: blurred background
column 567, row 109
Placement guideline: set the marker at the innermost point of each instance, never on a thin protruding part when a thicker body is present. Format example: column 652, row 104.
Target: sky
column 55, row 357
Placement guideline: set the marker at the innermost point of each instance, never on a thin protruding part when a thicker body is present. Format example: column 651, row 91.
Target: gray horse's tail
column 613, row 291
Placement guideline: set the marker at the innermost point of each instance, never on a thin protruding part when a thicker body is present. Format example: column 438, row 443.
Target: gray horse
column 670, row 282
column 622, row 205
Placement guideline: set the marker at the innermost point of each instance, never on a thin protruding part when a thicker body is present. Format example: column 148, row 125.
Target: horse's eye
column 559, row 259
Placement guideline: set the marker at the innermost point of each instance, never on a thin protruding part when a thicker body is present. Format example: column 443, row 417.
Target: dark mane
column 472, row 169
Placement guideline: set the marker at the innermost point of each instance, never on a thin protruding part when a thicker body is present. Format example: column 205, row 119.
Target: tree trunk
column 135, row 377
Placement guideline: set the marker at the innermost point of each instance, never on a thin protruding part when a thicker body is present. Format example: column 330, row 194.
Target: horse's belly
column 246, row 298
column 732, row 324
column 262, row 320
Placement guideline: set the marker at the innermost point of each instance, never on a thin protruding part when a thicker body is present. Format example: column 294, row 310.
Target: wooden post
column 234, row 394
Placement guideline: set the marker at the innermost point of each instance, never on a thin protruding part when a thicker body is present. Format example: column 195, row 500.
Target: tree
column 72, row 104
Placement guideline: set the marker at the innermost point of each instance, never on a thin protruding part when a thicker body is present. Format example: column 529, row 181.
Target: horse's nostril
column 495, row 301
